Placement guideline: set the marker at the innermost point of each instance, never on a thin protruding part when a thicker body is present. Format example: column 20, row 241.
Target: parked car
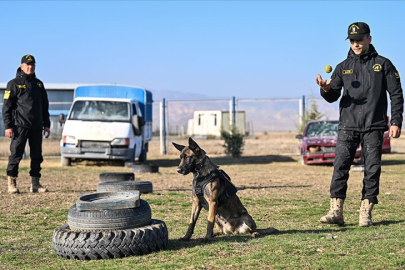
column 318, row 143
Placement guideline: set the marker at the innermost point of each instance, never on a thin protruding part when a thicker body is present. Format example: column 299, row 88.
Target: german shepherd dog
column 213, row 190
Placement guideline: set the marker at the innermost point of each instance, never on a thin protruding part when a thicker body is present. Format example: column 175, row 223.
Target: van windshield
column 92, row 110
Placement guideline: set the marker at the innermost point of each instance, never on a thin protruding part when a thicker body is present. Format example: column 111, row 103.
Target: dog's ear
column 193, row 145
column 179, row 147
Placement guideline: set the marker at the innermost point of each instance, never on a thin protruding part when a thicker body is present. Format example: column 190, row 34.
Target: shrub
column 310, row 114
column 233, row 142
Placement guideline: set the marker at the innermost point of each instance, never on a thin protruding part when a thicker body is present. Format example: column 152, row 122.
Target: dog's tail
column 264, row 232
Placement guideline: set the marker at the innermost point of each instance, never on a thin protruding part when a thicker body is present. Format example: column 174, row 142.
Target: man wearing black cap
column 365, row 77
column 25, row 115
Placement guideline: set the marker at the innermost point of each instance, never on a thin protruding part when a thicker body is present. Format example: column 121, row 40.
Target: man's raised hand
column 322, row 83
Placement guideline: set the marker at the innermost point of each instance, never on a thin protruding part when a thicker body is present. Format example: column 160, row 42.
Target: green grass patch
column 291, row 198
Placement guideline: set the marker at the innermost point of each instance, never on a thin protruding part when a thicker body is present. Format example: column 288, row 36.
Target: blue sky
column 220, row 49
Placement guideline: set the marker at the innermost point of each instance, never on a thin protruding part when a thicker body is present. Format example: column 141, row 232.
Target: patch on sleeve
column 396, row 75
column 6, row 94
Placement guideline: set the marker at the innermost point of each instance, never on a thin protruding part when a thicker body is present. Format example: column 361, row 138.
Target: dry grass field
column 276, row 189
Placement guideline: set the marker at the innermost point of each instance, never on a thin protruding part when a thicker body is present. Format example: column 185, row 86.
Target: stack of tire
column 109, row 225
column 114, row 182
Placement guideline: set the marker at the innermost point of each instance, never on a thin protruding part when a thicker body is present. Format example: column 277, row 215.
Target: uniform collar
column 21, row 74
column 364, row 56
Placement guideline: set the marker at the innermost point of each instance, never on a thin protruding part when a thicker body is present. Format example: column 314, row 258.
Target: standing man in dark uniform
column 365, row 77
column 26, row 116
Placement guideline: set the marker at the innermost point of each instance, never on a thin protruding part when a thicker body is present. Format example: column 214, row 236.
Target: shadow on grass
column 221, row 161
column 264, row 187
column 176, row 244
column 340, row 228
column 392, row 162
column 387, row 222
column 241, row 188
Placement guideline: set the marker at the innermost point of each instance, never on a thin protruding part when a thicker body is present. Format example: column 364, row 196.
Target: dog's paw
column 206, row 239
column 185, row 238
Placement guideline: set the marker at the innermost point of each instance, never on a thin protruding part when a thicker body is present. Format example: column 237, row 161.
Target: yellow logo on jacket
column 39, row 84
column 377, row 67
column 347, row 71
column 22, row 86
column 6, row 94
column 396, row 75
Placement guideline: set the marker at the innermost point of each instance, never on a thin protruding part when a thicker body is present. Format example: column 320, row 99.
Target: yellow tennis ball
column 328, row 69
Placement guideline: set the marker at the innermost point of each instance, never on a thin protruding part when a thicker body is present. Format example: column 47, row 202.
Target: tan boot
column 335, row 214
column 36, row 186
column 365, row 218
column 12, row 185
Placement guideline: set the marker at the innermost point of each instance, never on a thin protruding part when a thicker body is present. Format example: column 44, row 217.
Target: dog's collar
column 198, row 166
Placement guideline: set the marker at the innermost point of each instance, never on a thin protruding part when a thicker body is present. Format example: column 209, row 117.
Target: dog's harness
column 200, row 183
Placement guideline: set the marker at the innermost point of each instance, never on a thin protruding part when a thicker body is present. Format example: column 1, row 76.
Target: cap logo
column 28, row 57
column 377, row 67
column 354, row 29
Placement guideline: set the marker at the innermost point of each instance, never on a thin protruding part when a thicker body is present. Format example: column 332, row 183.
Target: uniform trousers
column 347, row 144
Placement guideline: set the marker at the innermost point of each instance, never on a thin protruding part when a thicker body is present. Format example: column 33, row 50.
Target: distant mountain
column 159, row 95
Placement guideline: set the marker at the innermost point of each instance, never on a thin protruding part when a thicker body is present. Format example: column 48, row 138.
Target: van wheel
column 109, row 244
column 65, row 161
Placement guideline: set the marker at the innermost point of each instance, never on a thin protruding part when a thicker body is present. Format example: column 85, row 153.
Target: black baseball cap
column 26, row 59
column 358, row 30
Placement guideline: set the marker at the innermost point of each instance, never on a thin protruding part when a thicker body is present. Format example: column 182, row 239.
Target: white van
column 107, row 122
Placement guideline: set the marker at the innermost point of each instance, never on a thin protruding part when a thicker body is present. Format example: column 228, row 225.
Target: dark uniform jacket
column 365, row 78
column 26, row 103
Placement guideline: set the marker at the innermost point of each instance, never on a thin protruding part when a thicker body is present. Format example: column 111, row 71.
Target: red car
column 318, row 143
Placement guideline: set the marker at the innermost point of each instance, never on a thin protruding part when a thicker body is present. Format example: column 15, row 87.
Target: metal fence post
column 301, row 110
column 233, row 112
column 163, row 127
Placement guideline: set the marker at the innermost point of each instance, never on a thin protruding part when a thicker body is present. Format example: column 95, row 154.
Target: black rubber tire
column 144, row 168
column 109, row 244
column 109, row 177
column 118, row 219
column 141, row 185
column 108, row 200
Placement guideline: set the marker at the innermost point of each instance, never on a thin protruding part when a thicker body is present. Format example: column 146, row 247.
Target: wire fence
column 261, row 115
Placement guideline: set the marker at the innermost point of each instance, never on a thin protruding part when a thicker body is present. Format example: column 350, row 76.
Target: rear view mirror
column 299, row 136
column 136, row 125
